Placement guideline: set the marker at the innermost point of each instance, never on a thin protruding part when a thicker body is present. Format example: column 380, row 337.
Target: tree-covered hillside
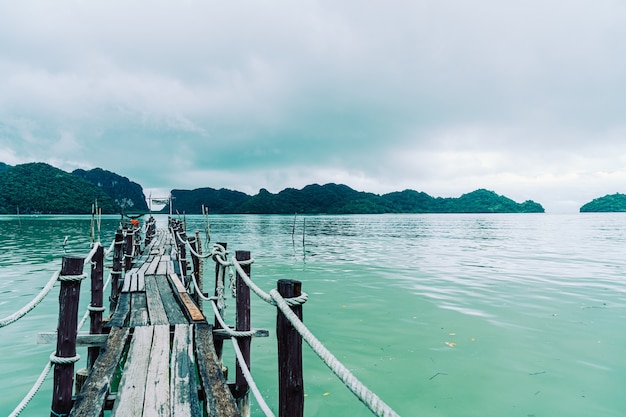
column 609, row 203
column 41, row 188
column 218, row 201
column 128, row 195
column 341, row 199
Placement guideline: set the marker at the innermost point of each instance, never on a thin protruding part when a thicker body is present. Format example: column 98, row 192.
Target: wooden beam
column 91, row 399
column 131, row 392
column 184, row 400
column 218, row 399
column 157, row 398
column 83, row 339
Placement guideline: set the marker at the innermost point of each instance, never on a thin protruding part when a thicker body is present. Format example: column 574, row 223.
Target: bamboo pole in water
column 66, row 335
column 290, row 379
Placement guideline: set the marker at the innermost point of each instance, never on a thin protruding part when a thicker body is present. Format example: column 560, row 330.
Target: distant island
column 607, row 204
column 41, row 188
column 341, row 199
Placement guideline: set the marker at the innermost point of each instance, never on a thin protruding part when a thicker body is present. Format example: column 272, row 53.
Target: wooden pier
column 159, row 357
column 155, row 353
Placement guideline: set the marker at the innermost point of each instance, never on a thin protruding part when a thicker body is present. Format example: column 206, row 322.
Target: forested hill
column 341, row 199
column 609, row 203
column 126, row 193
column 41, row 188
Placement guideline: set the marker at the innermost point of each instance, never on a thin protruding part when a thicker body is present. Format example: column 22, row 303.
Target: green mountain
column 126, row 194
column 609, row 203
column 218, row 201
column 41, row 188
column 341, row 199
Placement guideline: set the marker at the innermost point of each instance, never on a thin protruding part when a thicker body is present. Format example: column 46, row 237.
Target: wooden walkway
column 159, row 358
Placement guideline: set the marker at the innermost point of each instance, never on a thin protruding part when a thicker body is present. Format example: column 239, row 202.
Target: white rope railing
column 31, row 394
column 219, row 255
column 53, row 359
column 248, row 376
column 34, row 303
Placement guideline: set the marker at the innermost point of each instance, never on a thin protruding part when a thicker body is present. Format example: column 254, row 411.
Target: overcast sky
column 523, row 97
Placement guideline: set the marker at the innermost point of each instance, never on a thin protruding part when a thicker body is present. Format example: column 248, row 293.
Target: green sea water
column 440, row 315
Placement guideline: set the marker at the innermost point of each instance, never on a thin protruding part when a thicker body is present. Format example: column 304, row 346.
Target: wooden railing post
column 182, row 251
column 242, row 323
column 96, row 307
column 128, row 249
column 116, row 272
column 150, row 231
column 196, row 262
column 69, row 294
column 290, row 379
column 218, row 342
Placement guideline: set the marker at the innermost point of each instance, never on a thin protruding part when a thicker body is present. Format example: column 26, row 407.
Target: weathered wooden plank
column 128, row 277
column 131, row 392
column 133, row 282
column 139, row 310
column 177, row 283
column 154, row 264
column 219, row 401
column 84, row 339
column 193, row 311
column 162, row 269
column 172, row 308
column 141, row 283
column 90, row 401
column 156, row 311
column 157, row 398
column 184, row 400
column 121, row 312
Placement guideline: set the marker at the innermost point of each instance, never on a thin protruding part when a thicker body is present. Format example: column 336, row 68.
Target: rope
column 92, row 253
column 34, row 303
column 31, row 394
column 248, row 376
column 57, row 360
column 367, row 397
column 231, row 332
column 70, row 278
column 262, row 294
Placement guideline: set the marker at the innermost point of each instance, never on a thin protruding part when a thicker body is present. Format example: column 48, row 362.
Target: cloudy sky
column 524, row 97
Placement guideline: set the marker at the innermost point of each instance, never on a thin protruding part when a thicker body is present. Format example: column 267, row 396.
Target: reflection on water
column 441, row 315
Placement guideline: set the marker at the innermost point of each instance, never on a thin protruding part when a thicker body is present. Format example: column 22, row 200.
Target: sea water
column 440, row 315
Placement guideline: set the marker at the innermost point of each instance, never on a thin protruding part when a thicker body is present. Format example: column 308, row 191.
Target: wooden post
column 128, row 249
column 96, row 306
column 66, row 335
column 290, row 380
column 219, row 281
column 116, row 273
column 197, row 272
column 182, row 252
column 242, row 323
